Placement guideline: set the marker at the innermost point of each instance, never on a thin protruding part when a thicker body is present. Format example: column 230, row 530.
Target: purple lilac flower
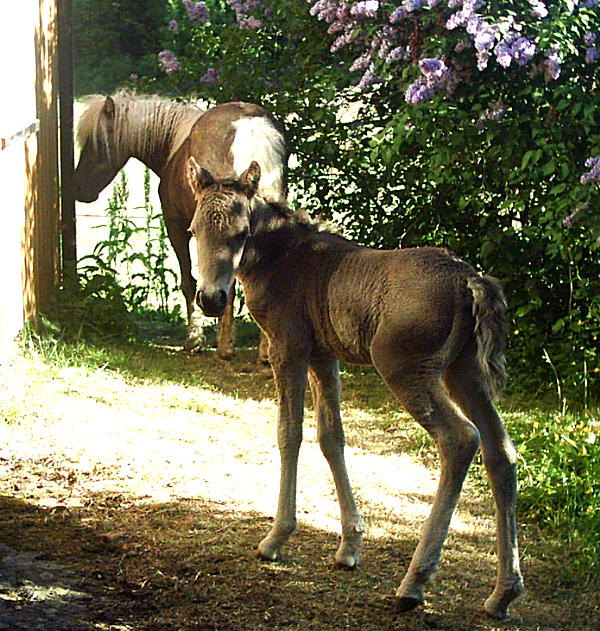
column 211, row 76
column 368, row 79
column 495, row 112
column 419, row 91
column 437, row 76
column 362, row 62
column 174, row 26
column 400, row 53
column 243, row 9
column 413, row 5
column 523, row 50
column 398, row 14
column 197, row 11
column 568, row 220
column 590, row 4
column 134, row 76
column 485, row 39
column 432, row 67
column 551, row 66
column 322, row 9
column 367, row 9
column 591, row 55
column 503, row 54
column 589, row 39
column 593, row 164
column 250, row 22
column 538, row 9
column 168, row 61
column 343, row 40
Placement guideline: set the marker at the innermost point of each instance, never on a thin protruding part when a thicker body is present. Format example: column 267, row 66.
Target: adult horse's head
column 221, row 225
column 100, row 159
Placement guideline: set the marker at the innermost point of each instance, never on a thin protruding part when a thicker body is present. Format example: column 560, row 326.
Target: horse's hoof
column 403, row 604
column 265, row 557
column 193, row 344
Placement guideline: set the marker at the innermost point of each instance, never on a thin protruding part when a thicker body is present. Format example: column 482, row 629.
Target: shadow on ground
column 117, row 564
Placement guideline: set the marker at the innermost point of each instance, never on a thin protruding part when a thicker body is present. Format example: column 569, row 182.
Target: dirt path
column 129, row 504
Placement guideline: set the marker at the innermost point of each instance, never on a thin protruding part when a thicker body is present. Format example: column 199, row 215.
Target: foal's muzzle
column 212, row 303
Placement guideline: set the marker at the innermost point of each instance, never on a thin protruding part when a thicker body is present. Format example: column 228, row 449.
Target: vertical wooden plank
column 41, row 239
column 67, row 167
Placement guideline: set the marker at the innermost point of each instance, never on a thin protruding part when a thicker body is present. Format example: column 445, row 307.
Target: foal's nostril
column 222, row 299
column 212, row 303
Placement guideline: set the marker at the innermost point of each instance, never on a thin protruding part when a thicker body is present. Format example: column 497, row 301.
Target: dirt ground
column 130, row 502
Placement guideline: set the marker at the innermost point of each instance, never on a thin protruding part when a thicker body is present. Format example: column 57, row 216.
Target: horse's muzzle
column 212, row 303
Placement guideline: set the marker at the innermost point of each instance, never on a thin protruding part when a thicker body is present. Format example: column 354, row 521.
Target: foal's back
column 416, row 299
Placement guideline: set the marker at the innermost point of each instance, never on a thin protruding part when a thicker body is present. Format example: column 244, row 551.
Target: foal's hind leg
column 325, row 385
column 465, row 384
column 457, row 440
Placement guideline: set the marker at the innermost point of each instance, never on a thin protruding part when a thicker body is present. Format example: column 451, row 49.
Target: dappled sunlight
column 98, row 433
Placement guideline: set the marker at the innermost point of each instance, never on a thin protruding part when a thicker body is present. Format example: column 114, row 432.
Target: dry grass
column 145, row 485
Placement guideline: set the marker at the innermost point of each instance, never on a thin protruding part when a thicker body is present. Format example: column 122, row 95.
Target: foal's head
column 221, row 225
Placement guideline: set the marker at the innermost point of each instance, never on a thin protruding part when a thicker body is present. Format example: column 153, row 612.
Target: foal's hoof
column 496, row 605
column 402, row 604
column 348, row 562
column 338, row 565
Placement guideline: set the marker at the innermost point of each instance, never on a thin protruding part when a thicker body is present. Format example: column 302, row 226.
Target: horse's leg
column 324, row 380
column 225, row 341
column 290, row 379
column 457, row 440
column 263, row 349
column 464, row 382
column 180, row 240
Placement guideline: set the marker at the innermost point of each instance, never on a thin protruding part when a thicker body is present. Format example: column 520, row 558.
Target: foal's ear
column 249, row 179
column 109, row 107
column 197, row 177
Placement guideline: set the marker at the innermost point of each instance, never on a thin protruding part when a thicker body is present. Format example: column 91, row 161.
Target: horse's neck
column 155, row 130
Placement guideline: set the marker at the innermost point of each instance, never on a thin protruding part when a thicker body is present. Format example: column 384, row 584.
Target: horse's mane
column 161, row 118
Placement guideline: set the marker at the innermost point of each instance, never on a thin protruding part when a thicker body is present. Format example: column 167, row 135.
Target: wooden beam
column 67, row 167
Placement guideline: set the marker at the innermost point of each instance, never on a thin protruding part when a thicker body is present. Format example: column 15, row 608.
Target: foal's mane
column 141, row 122
column 283, row 215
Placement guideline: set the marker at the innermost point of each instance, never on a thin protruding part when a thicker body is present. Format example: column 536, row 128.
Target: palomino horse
column 163, row 134
column 432, row 327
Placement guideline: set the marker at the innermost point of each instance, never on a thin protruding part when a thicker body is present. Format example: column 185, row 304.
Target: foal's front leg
column 325, row 385
column 290, row 379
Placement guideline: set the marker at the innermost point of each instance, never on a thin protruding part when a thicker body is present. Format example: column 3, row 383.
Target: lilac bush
column 383, row 32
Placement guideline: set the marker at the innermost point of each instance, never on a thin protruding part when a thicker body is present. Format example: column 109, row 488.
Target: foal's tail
column 491, row 328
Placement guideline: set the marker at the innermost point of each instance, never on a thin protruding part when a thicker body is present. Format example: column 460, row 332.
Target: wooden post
column 67, row 168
